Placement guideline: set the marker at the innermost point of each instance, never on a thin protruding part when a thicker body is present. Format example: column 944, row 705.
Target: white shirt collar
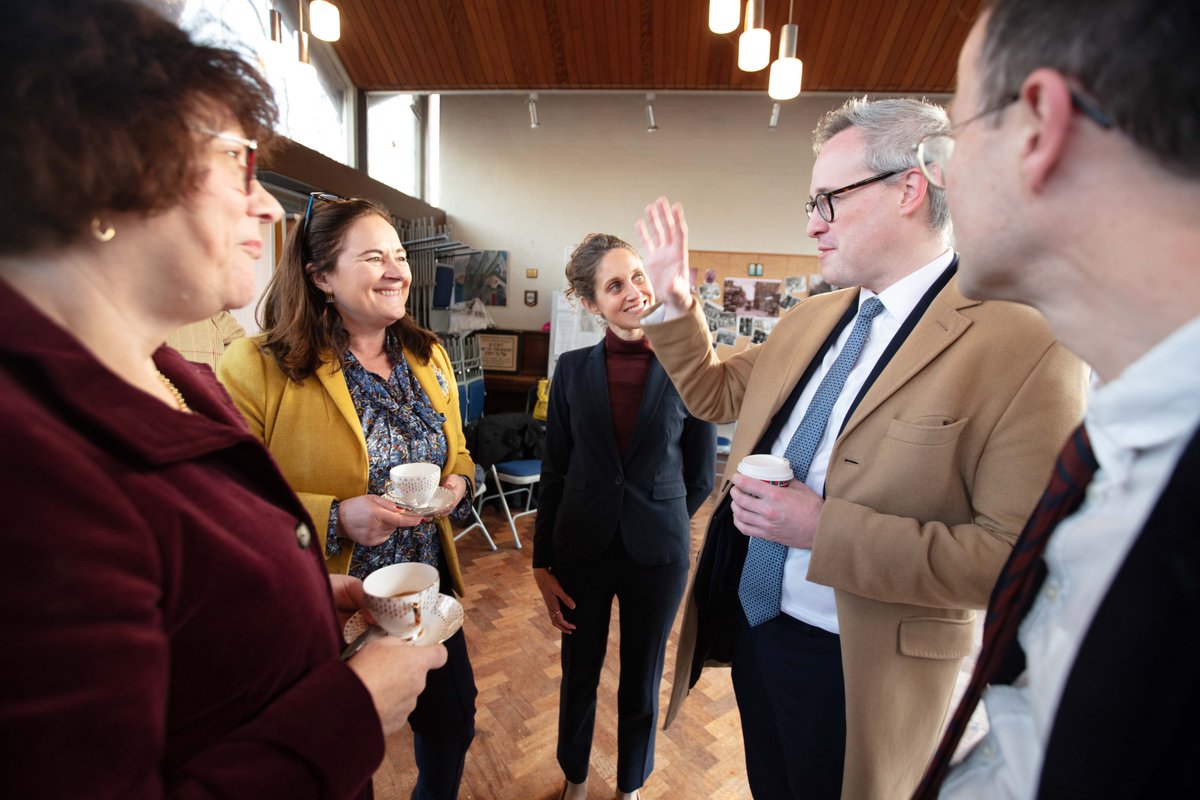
column 1156, row 399
column 902, row 297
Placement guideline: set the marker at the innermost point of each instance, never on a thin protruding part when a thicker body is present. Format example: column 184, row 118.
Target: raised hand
column 665, row 242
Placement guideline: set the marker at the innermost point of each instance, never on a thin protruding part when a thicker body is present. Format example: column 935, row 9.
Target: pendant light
column 324, row 20
column 754, row 45
column 724, row 15
column 787, row 70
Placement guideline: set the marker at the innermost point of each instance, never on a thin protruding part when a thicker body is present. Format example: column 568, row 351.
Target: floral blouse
column 401, row 427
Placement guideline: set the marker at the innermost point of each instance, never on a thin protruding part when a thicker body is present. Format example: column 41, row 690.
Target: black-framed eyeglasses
column 823, row 202
column 245, row 156
column 934, row 152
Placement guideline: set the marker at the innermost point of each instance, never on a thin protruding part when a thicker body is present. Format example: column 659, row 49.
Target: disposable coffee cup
column 767, row 468
column 399, row 596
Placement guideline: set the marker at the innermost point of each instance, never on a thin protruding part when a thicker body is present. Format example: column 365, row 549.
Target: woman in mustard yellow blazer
column 342, row 386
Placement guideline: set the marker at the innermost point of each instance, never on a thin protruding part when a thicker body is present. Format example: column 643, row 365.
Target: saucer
column 441, row 504
column 438, row 625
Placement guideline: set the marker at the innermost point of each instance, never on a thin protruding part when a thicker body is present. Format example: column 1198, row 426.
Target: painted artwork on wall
column 483, row 275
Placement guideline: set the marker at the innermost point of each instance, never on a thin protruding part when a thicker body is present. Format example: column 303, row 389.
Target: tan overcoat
column 928, row 485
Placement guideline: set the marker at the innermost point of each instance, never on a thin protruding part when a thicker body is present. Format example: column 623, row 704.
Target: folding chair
column 476, row 508
column 524, row 474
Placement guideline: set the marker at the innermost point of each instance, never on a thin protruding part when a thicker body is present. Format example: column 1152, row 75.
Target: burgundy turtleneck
column 627, row 364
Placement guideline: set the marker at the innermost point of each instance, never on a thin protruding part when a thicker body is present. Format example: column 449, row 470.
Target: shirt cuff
column 332, row 546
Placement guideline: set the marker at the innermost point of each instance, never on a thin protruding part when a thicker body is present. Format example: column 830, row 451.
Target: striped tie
column 1001, row 660
column 761, row 586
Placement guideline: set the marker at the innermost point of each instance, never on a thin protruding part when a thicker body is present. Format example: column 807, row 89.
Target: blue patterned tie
column 762, row 575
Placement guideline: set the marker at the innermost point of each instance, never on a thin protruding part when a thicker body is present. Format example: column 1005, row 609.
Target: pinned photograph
column 750, row 298
column 795, row 284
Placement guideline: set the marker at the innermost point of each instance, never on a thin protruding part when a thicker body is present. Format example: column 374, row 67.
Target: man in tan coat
column 921, row 427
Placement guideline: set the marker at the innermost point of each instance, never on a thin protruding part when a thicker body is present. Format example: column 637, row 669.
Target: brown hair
column 581, row 268
column 1137, row 60
column 302, row 331
column 101, row 102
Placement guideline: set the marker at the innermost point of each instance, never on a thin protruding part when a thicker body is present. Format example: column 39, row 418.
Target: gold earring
column 329, row 297
column 105, row 235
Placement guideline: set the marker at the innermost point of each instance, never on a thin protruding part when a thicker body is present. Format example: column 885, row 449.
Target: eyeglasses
column 934, row 152
column 823, row 202
column 245, row 156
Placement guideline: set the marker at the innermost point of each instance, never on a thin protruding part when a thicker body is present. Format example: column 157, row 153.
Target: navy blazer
column 1126, row 724
column 589, row 491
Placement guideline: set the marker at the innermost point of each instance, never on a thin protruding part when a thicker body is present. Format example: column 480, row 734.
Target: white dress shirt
column 1139, row 425
column 812, row 602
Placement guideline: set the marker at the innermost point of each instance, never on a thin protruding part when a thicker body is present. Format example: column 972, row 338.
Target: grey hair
column 892, row 129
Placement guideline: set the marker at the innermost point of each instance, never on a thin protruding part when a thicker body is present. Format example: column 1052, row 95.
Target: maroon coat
column 166, row 619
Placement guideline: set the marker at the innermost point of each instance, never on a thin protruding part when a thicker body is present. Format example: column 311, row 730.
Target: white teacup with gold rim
column 400, row 595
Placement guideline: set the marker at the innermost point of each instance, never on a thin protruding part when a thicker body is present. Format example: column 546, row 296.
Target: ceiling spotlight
column 651, row 125
column 532, row 103
column 774, row 123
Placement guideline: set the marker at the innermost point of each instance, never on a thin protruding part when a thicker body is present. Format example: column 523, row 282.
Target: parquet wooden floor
column 515, row 653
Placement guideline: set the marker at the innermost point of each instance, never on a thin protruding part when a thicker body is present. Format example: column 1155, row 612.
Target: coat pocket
column 936, row 637
column 668, row 490
column 927, row 431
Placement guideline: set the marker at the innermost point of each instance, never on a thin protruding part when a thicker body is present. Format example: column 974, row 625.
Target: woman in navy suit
column 625, row 468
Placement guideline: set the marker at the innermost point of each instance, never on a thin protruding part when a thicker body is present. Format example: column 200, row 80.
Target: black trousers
column 648, row 597
column 443, row 721
column 787, row 676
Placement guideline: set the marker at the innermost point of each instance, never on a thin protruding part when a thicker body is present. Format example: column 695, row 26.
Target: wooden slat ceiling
column 643, row 45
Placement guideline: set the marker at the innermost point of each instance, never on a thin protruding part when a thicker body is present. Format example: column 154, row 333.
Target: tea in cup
column 399, row 596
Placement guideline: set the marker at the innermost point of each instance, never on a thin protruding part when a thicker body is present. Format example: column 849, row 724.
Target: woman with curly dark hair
column 170, row 630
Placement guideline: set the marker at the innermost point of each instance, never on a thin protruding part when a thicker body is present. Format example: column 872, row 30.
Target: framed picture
column 500, row 351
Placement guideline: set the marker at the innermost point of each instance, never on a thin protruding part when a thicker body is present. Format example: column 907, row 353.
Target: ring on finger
column 556, row 614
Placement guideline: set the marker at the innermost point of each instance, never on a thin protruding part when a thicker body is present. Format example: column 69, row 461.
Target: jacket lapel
column 597, row 386
column 334, row 383
column 939, row 327
column 782, row 380
column 656, row 383
column 426, row 376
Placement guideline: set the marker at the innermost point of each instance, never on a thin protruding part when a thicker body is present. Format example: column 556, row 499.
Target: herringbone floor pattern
column 515, row 654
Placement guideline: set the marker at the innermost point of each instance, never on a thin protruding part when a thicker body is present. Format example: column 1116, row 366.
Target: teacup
column 413, row 485
column 399, row 596
column 771, row 469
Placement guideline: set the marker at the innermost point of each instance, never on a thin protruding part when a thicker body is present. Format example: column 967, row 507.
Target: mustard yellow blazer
column 313, row 431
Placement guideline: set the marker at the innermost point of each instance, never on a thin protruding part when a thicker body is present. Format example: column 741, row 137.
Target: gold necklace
column 174, row 390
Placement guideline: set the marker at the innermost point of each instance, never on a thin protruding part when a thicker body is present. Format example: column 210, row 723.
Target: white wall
column 592, row 166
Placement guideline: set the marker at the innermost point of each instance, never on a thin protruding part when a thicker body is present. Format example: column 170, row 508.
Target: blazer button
column 618, row 480
column 303, row 536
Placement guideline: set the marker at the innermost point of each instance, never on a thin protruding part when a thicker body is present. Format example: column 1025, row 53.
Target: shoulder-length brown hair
column 302, row 331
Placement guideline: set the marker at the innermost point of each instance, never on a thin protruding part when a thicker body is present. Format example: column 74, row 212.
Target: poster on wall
column 752, row 298
column 483, row 275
